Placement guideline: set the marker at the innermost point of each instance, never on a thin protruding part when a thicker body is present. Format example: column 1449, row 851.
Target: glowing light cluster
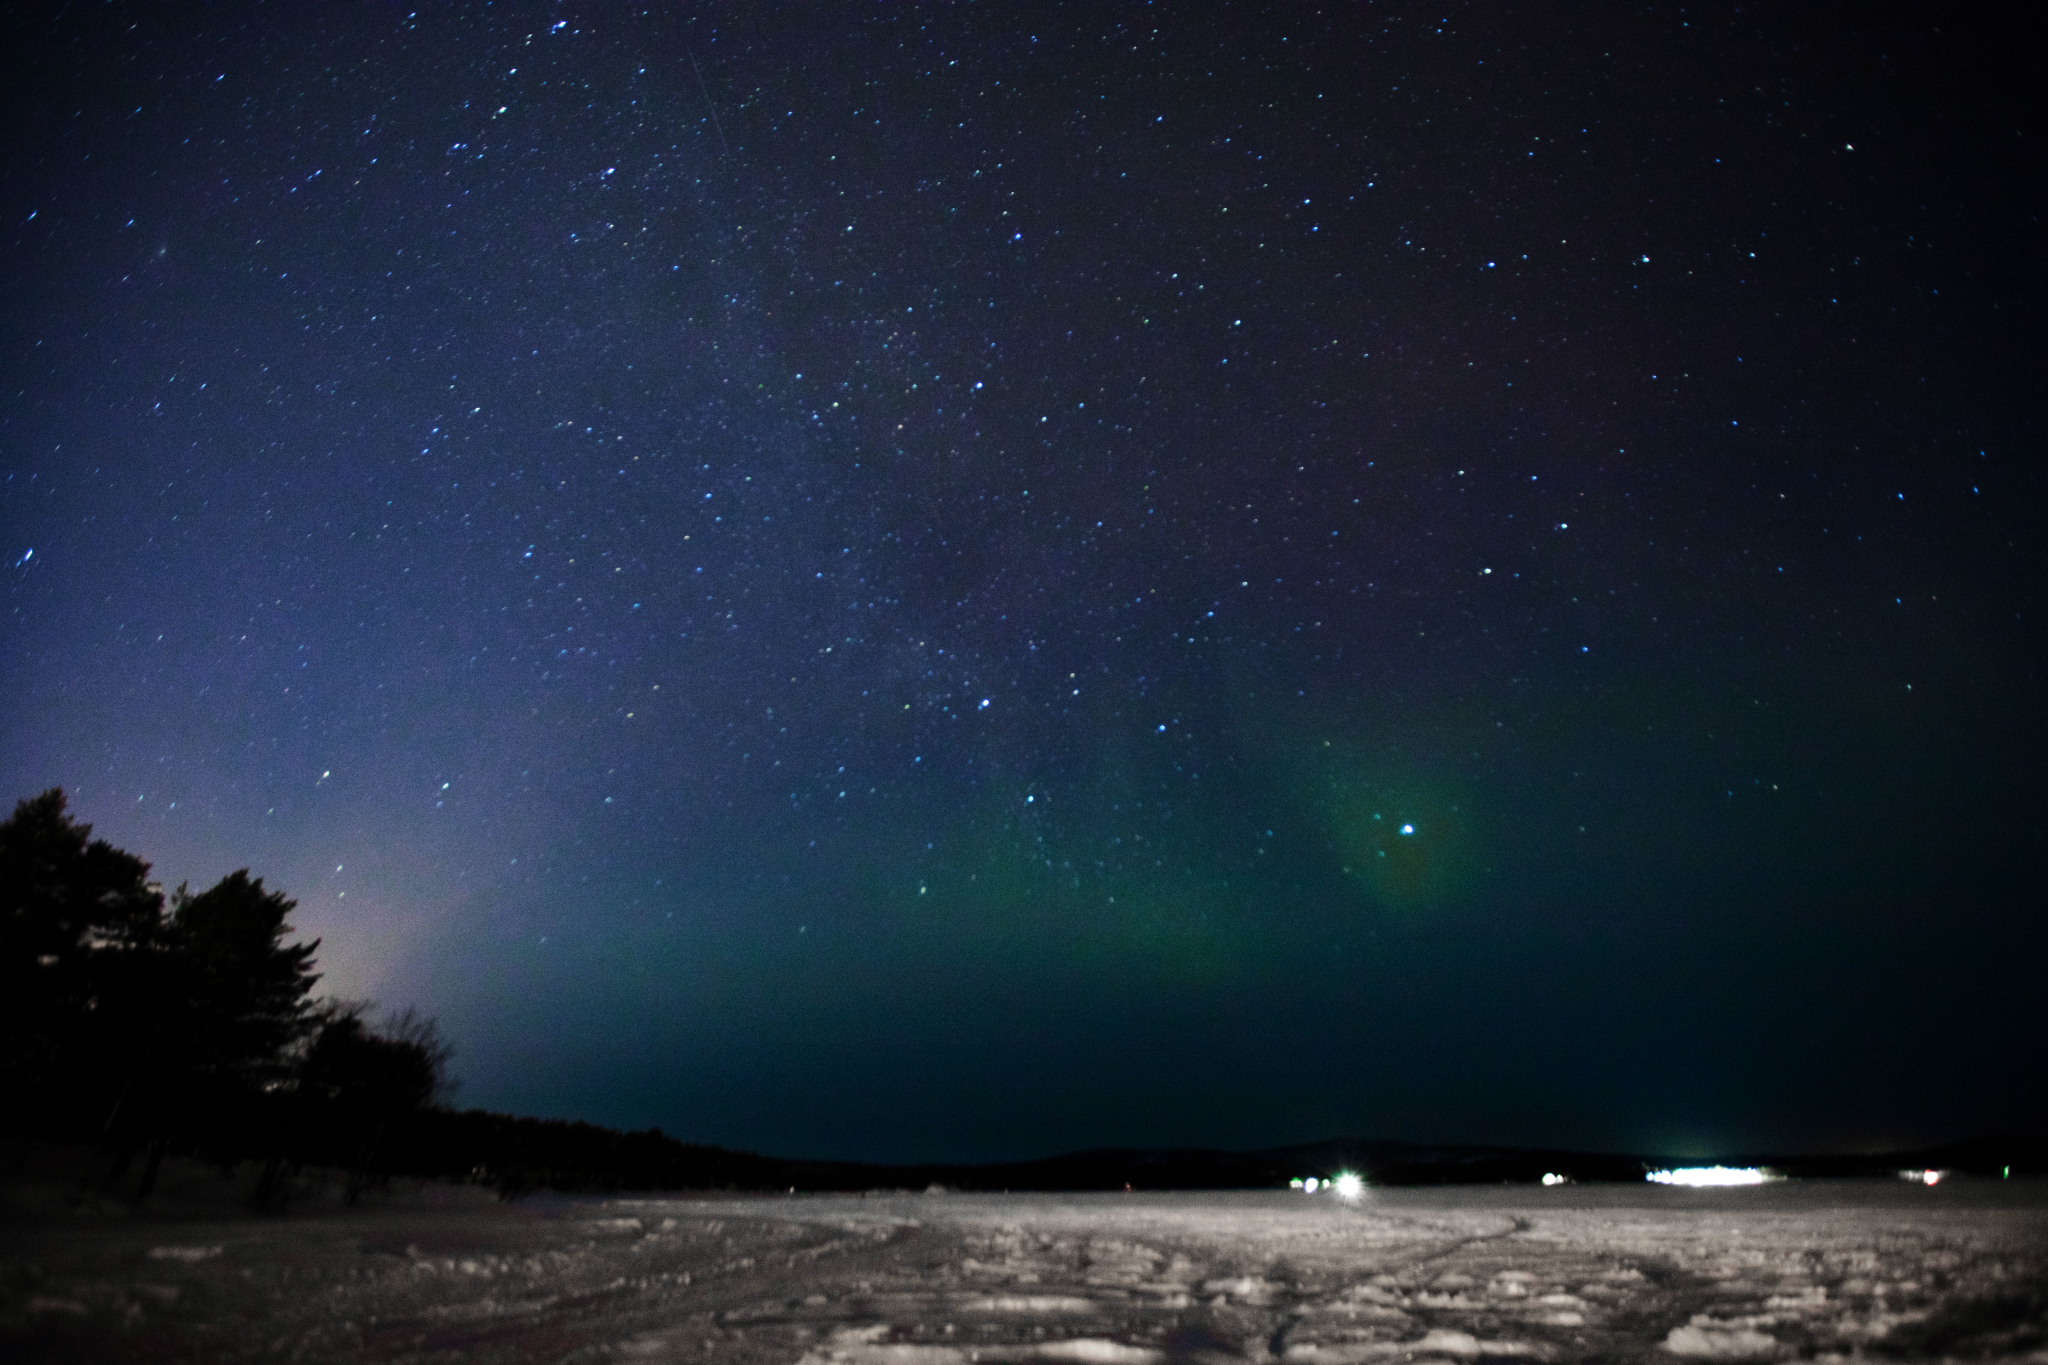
column 1553, row 1178
column 1702, row 1177
column 1927, row 1177
column 1344, row 1185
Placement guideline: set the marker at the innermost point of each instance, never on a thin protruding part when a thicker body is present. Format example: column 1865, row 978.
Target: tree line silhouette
column 153, row 1026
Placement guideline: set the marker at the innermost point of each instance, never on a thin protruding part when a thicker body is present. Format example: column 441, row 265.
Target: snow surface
column 1572, row 1273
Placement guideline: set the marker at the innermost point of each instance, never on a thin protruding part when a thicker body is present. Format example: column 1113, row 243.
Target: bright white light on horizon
column 1924, row 1177
column 1705, row 1176
column 1553, row 1178
column 1348, row 1186
column 1311, row 1184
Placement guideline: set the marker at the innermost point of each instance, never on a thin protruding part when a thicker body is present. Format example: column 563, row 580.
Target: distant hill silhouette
column 1383, row 1162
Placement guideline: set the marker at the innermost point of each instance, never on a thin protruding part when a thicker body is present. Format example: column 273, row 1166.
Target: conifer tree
column 79, row 924
column 240, row 995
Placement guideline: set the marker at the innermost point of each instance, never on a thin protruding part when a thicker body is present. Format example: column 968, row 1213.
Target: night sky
column 969, row 581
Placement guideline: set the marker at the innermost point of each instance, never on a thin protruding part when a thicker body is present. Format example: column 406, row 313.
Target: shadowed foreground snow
column 1576, row 1273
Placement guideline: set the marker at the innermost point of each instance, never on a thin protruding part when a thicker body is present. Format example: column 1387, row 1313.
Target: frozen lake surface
column 1817, row 1270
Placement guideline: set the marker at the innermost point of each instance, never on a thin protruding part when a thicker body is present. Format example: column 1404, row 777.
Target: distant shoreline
column 42, row 1180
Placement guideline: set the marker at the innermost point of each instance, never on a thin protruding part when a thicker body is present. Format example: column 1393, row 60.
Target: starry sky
column 966, row 581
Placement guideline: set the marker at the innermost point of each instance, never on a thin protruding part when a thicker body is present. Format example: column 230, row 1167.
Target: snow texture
column 1584, row 1273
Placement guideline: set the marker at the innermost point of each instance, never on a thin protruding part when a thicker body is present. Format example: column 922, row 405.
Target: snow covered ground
column 1816, row 1270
